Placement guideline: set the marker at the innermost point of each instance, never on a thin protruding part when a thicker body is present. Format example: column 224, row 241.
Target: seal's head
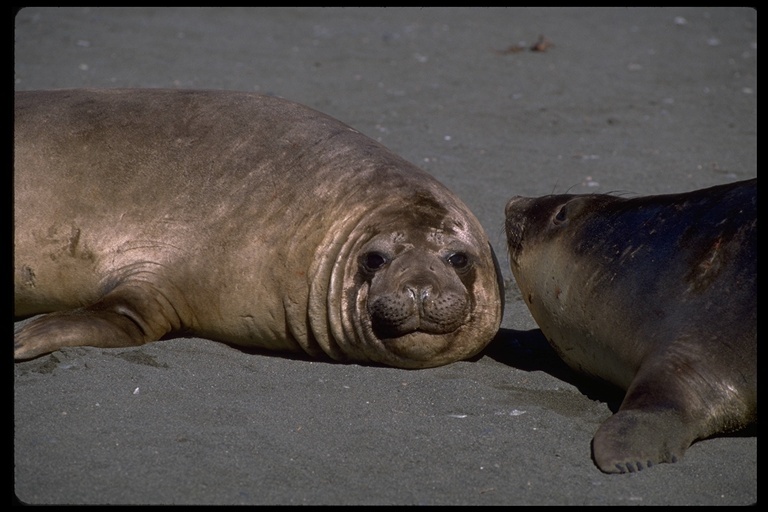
column 411, row 288
column 553, row 240
column 561, row 254
column 541, row 221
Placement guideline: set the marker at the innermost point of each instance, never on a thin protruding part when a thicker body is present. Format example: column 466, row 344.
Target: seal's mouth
column 407, row 344
column 417, row 311
column 421, row 348
column 388, row 333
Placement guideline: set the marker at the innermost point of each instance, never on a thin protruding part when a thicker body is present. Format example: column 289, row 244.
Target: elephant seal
column 655, row 294
column 242, row 218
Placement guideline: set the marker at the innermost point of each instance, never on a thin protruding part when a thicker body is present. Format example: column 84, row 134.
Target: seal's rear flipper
column 131, row 314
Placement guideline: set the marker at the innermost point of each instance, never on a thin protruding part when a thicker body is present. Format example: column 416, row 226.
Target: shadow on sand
column 530, row 351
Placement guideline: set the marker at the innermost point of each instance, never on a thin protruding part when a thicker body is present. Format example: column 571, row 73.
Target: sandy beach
column 493, row 102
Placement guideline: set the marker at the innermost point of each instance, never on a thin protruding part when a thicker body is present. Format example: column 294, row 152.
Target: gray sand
column 636, row 101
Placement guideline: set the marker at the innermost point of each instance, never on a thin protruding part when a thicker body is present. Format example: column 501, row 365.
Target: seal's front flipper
column 75, row 328
column 659, row 418
column 633, row 440
column 130, row 315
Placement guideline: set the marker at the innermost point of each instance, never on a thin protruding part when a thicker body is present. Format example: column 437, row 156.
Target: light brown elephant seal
column 656, row 294
column 240, row 218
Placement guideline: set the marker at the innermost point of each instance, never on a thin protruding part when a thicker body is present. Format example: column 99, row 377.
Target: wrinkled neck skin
column 332, row 262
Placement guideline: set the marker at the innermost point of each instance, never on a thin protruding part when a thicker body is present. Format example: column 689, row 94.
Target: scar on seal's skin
column 74, row 239
column 27, row 276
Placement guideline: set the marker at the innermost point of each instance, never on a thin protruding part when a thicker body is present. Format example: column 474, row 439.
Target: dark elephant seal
column 655, row 294
column 241, row 218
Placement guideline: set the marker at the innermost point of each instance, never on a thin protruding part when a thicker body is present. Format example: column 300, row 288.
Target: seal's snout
column 512, row 204
column 418, row 306
column 514, row 216
column 516, row 212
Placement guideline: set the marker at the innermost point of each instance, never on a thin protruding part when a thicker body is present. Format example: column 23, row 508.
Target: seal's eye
column 373, row 261
column 458, row 260
column 561, row 216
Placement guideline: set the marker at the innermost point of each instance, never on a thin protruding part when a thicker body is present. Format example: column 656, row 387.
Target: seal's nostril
column 418, row 293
